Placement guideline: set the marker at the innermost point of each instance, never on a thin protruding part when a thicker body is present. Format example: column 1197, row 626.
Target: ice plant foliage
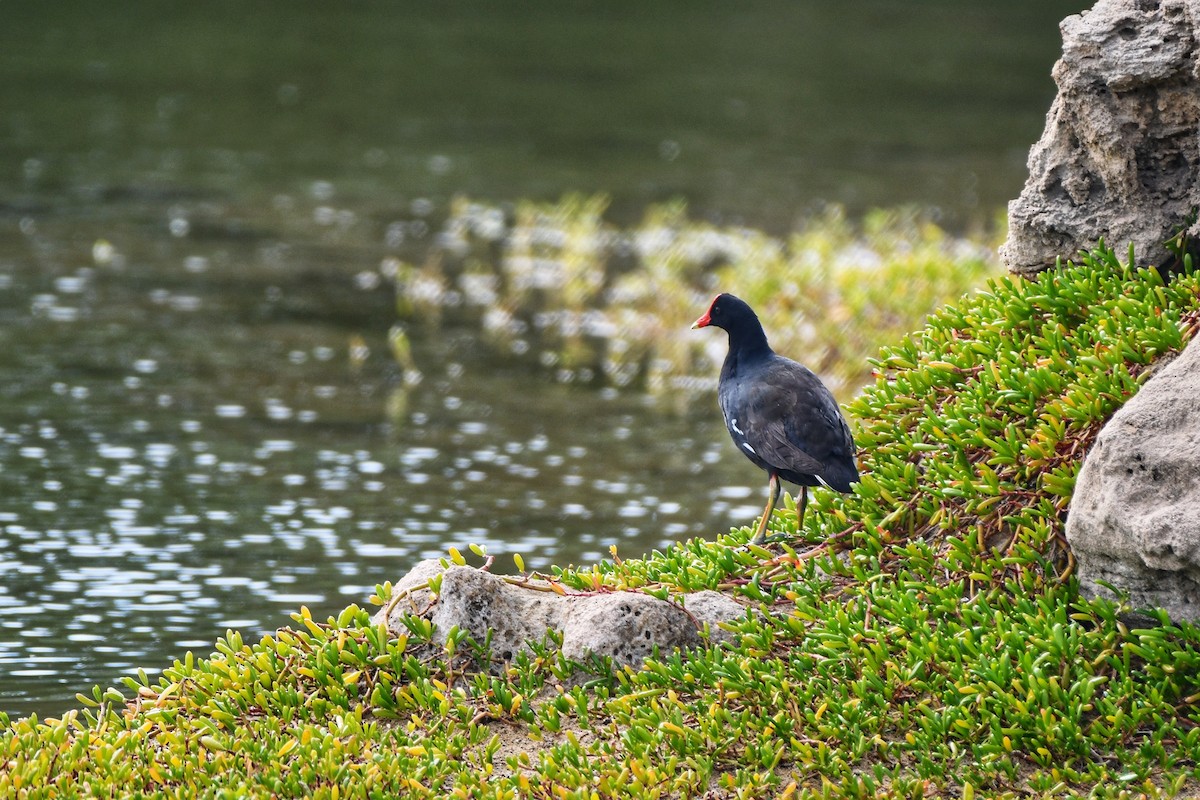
column 923, row 637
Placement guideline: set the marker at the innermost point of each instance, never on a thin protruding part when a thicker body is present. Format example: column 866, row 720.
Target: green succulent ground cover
column 921, row 637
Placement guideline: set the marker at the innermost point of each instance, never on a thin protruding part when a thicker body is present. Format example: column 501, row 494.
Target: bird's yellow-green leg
column 803, row 505
column 760, row 537
column 773, row 490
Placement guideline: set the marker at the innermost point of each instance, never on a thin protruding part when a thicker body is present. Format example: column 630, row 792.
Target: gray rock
column 477, row 602
column 1120, row 155
column 714, row 608
column 628, row 626
column 416, row 595
column 1134, row 520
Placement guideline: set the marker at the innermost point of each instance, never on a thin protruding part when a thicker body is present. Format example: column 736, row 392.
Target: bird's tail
column 840, row 475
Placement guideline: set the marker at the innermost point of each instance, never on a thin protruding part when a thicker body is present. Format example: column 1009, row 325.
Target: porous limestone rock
column 713, row 607
column 1120, row 155
column 1134, row 520
column 627, row 626
column 414, row 588
column 477, row 602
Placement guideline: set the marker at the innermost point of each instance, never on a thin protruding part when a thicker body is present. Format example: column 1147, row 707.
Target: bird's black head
column 746, row 337
column 729, row 313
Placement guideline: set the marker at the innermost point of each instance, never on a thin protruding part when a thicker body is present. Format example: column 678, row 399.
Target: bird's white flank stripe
column 822, row 481
column 736, row 429
column 748, row 447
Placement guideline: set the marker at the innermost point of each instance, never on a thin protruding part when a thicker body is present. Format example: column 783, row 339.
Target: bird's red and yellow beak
column 706, row 320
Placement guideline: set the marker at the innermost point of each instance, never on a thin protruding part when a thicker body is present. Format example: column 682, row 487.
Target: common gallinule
column 778, row 412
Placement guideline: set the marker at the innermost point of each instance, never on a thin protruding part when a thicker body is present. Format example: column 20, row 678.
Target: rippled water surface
column 201, row 424
column 194, row 437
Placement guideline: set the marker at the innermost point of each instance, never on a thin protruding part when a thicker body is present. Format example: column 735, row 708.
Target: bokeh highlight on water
column 201, row 426
column 193, row 449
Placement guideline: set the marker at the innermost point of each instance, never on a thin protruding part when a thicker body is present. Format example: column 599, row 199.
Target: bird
column 779, row 414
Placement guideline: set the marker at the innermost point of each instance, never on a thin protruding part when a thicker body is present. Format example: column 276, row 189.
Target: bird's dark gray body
column 785, row 421
column 778, row 412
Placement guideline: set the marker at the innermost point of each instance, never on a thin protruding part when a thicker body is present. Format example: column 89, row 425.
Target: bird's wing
column 786, row 428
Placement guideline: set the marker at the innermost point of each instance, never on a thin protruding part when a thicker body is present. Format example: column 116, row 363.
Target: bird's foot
column 774, row 538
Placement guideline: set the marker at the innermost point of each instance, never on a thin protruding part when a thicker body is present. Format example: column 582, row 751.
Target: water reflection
column 199, row 449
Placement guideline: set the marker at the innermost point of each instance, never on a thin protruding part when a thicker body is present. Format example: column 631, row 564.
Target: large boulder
column 1120, row 156
column 1134, row 520
column 624, row 625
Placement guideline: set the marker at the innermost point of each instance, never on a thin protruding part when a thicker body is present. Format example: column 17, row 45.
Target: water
column 201, row 426
column 187, row 445
column 751, row 110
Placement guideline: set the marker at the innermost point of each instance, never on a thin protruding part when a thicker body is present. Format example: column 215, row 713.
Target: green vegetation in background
column 924, row 637
column 597, row 303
